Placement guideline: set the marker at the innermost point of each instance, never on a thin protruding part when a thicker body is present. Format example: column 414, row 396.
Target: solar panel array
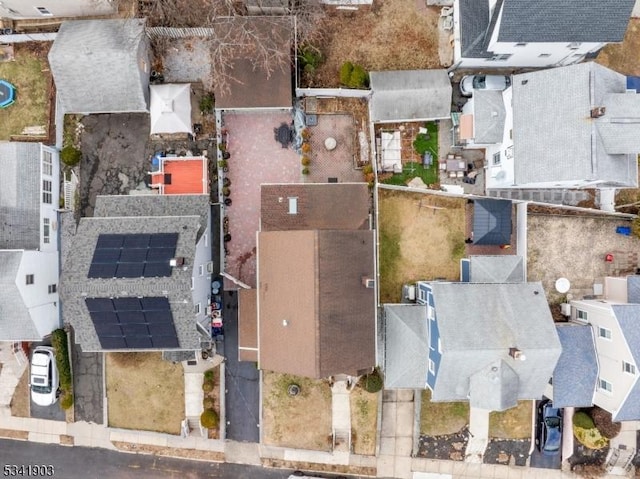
column 133, row 323
column 133, row 255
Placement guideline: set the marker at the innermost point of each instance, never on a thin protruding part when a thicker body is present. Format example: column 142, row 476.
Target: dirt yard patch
column 20, row 400
column 421, row 237
column 144, row 392
column 559, row 246
column 302, row 421
column 514, row 423
column 29, row 73
column 364, row 420
column 623, row 57
column 442, row 418
column 392, row 35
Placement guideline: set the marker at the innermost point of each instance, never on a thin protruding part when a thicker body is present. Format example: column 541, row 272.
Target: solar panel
column 130, row 270
column 109, row 241
column 106, row 256
column 133, row 323
column 152, row 270
column 98, row 270
column 158, row 255
column 136, row 241
column 163, row 240
column 133, row 255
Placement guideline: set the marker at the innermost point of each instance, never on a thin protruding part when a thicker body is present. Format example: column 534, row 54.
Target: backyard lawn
column 514, row 423
column 442, row 418
column 414, row 169
column 302, row 421
column 421, row 237
column 623, row 57
column 29, row 73
column 364, row 420
column 144, row 392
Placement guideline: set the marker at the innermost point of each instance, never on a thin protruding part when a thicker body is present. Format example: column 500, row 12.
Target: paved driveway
column 87, row 386
column 52, row 412
column 242, row 381
column 541, row 460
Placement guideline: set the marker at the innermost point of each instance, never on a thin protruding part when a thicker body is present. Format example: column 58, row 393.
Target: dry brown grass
column 20, row 405
column 315, row 466
column 441, row 418
column 421, row 237
column 364, row 421
column 301, row 422
column 213, row 456
column 392, row 35
column 514, row 423
column 12, row 434
column 144, row 392
column 623, row 57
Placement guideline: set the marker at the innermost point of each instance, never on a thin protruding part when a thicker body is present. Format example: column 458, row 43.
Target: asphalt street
column 242, row 381
column 90, row 463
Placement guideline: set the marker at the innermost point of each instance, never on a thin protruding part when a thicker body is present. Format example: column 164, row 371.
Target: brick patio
column 256, row 158
column 339, row 162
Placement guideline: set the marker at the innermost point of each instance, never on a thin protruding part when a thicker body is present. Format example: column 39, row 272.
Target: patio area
column 332, row 150
column 256, row 158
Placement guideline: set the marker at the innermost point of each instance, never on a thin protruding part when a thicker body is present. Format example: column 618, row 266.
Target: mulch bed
column 507, row 451
column 451, row 447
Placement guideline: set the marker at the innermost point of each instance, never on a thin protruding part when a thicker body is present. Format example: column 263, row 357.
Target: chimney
column 178, row 261
column 516, row 354
column 597, row 112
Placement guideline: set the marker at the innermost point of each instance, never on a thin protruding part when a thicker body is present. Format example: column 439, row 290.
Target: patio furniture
column 447, row 24
column 283, row 135
column 459, row 174
column 452, row 174
column 427, row 159
column 456, row 165
column 442, row 165
column 446, row 11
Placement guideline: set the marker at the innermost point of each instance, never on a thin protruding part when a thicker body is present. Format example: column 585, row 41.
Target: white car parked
column 483, row 82
column 44, row 379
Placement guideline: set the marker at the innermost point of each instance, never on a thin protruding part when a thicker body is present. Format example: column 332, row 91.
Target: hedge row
column 60, row 344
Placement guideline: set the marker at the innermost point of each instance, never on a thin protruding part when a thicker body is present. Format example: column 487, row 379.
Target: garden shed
column 171, row 108
column 492, row 222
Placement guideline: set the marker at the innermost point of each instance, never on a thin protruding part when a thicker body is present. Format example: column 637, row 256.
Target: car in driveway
column 469, row 83
column 44, row 379
column 549, row 433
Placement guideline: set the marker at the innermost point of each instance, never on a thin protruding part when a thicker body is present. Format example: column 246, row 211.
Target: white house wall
column 201, row 278
column 22, row 9
column 50, row 211
column 615, row 289
column 539, row 55
column 43, row 306
column 611, row 353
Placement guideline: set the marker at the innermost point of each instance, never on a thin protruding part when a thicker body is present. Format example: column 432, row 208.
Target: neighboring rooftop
column 474, row 23
column 181, row 176
column 15, row 321
column 410, row 95
column 20, row 187
column 489, row 115
column 628, row 316
column 101, row 66
column 492, row 222
column 496, row 269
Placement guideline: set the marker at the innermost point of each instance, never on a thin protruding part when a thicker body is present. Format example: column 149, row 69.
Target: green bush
column 70, row 155
column 207, row 386
column 310, row 58
column 59, row 343
column 345, row 73
column 305, row 161
column 209, row 373
column 66, row 401
column 590, row 438
column 372, row 382
column 583, row 420
column 209, row 419
column 421, row 144
column 305, row 171
column 367, row 169
column 359, row 78
column 206, row 104
column 207, row 403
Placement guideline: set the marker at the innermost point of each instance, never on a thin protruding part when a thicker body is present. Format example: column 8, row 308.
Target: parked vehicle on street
column 549, row 433
column 469, row 83
column 44, row 379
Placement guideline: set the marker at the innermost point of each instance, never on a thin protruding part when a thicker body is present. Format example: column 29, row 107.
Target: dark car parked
column 549, row 433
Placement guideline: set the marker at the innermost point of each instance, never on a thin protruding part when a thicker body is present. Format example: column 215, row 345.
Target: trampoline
column 7, row 94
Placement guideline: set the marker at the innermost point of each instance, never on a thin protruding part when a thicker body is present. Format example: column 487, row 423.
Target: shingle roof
column 489, row 116
column 20, row 195
column 628, row 316
column 496, row 269
column 494, row 387
column 406, row 346
column 491, row 222
column 619, row 127
column 410, row 95
column 474, row 23
column 329, row 313
column 135, row 214
column 98, row 66
column 554, row 105
column 15, row 321
column 319, row 206
column 633, row 289
column 478, row 323
column 564, row 20
column 575, row 375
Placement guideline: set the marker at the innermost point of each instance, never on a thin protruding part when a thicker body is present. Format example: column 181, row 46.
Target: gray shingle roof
column 15, row 321
column 564, row 20
column 496, row 269
column 406, row 346
column 619, row 127
column 494, row 387
column 491, row 222
column 478, row 323
column 633, row 289
column 550, row 113
column 489, row 116
column 410, row 95
column 135, row 214
column 98, row 66
column 628, row 316
column 474, row 23
column 575, row 375
column 19, row 195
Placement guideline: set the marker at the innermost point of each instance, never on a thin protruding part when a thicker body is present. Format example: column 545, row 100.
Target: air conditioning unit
column 210, row 267
column 565, row 309
column 409, row 292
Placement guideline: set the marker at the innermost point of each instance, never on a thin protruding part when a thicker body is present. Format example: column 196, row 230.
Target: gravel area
column 513, row 452
column 185, row 60
column 451, row 447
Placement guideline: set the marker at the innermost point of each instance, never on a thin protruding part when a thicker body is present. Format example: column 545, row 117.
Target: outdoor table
column 456, row 165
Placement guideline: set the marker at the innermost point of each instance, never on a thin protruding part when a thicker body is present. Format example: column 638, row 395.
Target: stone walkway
column 396, row 436
column 341, row 416
column 478, row 434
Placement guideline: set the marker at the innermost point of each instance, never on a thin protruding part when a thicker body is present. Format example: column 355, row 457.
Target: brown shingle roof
column 337, row 206
column 247, row 325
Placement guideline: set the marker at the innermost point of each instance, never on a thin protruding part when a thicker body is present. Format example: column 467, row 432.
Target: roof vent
column 524, row 82
column 516, row 354
column 597, row 112
column 178, row 261
column 285, row 322
column 368, row 282
column 293, row 205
